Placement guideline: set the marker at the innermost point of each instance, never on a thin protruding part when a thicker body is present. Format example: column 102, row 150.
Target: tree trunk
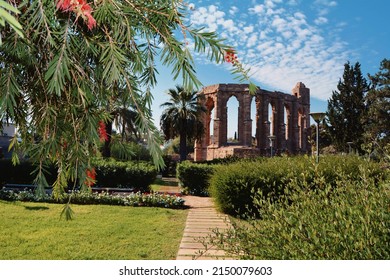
column 183, row 145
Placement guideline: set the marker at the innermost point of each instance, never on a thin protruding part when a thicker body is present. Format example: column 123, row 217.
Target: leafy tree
column 377, row 121
column 346, row 109
column 60, row 82
column 182, row 117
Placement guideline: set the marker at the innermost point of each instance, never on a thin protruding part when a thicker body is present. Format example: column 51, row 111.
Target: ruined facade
column 282, row 122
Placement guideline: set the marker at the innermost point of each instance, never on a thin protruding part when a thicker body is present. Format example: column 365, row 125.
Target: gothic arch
column 290, row 121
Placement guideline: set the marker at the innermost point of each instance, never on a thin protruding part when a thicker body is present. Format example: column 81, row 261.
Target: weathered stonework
column 291, row 133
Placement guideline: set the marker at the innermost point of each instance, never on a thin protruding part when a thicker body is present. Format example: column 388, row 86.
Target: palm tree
column 182, row 117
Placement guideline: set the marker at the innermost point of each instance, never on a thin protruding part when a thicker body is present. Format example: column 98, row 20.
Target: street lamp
column 271, row 142
column 317, row 117
column 349, row 147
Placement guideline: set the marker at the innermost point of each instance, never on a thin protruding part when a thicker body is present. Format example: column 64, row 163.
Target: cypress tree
column 346, row 109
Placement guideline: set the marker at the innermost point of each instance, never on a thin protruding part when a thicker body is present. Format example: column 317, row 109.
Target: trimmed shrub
column 22, row 173
column 109, row 174
column 117, row 174
column 349, row 221
column 233, row 185
column 194, row 177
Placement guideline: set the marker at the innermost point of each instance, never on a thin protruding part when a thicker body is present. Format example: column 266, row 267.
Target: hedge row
column 233, row 186
column 194, row 177
column 137, row 175
column 348, row 222
column 109, row 173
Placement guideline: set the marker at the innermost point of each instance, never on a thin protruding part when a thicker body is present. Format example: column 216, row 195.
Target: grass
column 162, row 184
column 35, row 231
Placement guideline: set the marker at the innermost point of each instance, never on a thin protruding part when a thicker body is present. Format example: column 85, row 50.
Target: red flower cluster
column 102, row 131
column 231, row 57
column 91, row 177
column 80, row 7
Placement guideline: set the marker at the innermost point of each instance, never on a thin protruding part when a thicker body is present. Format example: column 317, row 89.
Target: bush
column 117, row 174
column 349, row 221
column 170, row 166
column 193, row 177
column 109, row 174
column 233, row 185
column 22, row 173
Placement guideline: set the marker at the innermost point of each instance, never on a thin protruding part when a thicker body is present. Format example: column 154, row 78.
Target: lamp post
column 317, row 117
column 349, row 147
column 271, row 142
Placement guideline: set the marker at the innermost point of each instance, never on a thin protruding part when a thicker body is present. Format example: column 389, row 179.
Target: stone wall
column 290, row 132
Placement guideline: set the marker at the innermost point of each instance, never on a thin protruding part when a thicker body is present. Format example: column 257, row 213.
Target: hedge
column 194, row 177
column 349, row 222
column 22, row 173
column 109, row 173
column 233, row 186
column 136, row 175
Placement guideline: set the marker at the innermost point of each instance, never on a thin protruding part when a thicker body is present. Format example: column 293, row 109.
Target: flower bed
column 133, row 199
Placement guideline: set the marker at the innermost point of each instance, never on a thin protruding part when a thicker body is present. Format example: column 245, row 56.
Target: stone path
column 201, row 220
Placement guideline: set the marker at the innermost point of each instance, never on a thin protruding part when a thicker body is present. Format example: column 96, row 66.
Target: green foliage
column 5, row 16
column 170, row 166
column 65, row 77
column 109, row 174
column 349, row 221
column 376, row 122
column 182, row 117
column 23, row 173
column 346, row 109
column 193, row 177
column 129, row 174
column 129, row 151
column 233, row 186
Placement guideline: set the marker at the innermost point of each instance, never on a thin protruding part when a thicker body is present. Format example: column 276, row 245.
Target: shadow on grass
column 172, row 182
column 36, row 208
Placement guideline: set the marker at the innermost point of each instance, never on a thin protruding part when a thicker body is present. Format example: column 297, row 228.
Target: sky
column 288, row 41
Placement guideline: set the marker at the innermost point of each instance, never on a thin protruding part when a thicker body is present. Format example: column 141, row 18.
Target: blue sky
column 287, row 41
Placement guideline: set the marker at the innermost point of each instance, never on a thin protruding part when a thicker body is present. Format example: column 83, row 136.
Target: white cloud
column 233, row 10
column 258, row 9
column 280, row 46
column 321, row 20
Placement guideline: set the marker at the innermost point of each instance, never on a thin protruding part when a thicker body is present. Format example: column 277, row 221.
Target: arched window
column 210, row 121
column 232, row 120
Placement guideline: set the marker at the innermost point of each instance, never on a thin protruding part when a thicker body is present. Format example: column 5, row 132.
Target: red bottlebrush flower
column 102, row 131
column 91, row 177
column 64, row 5
column 230, row 57
column 91, row 21
column 81, row 8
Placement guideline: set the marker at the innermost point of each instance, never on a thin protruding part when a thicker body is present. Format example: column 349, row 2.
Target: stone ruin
column 286, row 130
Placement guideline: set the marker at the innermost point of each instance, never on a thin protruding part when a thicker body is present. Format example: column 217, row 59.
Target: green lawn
column 35, row 231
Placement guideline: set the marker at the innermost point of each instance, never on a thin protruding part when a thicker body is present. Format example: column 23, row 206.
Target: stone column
column 281, row 129
column 247, row 121
column 295, row 128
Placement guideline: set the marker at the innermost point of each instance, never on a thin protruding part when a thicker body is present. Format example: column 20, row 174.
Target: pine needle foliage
column 64, row 76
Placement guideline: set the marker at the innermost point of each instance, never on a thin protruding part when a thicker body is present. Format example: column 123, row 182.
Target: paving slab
column 201, row 222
